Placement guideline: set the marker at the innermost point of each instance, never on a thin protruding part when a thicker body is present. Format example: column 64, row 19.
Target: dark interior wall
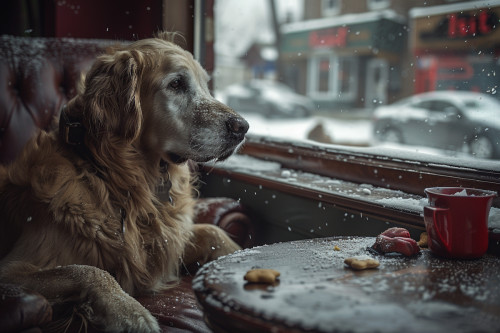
column 27, row 17
column 99, row 19
column 123, row 19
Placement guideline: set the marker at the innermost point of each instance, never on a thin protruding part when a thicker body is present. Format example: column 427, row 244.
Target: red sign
column 463, row 25
column 333, row 37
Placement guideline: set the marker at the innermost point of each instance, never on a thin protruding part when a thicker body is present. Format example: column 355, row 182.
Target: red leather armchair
column 37, row 77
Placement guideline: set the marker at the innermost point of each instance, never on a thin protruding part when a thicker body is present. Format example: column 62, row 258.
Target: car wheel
column 391, row 135
column 482, row 147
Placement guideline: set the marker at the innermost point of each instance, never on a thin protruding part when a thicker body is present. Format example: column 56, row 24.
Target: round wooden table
column 316, row 292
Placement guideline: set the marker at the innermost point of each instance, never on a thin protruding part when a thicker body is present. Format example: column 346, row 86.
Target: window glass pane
column 411, row 75
column 330, row 7
column 344, row 75
column 324, row 75
column 378, row 4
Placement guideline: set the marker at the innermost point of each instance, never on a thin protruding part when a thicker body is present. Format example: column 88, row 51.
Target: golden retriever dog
column 81, row 221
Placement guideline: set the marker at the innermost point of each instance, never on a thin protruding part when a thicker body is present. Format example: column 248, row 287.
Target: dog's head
column 155, row 96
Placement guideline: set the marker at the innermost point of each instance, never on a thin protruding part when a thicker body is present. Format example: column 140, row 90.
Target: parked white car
column 268, row 98
column 452, row 120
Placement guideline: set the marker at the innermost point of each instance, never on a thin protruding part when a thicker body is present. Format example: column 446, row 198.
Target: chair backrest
column 37, row 77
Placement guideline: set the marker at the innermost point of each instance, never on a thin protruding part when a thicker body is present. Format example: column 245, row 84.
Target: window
column 320, row 75
column 390, row 95
column 330, row 7
column 378, row 4
column 360, row 67
column 331, row 77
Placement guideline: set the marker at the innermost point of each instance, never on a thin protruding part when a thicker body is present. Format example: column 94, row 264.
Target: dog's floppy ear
column 112, row 96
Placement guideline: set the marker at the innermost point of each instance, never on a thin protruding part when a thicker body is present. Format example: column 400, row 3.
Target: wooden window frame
column 408, row 176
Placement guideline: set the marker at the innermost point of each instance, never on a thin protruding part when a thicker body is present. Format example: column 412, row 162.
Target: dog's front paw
column 208, row 243
column 118, row 312
column 133, row 317
column 224, row 247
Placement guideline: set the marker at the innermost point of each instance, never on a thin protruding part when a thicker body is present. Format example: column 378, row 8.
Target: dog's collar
column 164, row 184
column 71, row 130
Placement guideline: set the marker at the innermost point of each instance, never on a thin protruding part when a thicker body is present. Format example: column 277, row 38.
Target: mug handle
column 438, row 214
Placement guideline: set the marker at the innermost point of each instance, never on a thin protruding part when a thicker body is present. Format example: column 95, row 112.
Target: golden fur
column 83, row 224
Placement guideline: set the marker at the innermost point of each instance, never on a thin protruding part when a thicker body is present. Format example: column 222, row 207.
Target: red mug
column 457, row 221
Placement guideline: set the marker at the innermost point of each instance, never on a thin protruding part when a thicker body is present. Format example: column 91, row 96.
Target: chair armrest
column 22, row 310
column 229, row 215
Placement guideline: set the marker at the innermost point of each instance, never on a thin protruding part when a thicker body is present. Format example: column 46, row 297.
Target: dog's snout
column 237, row 125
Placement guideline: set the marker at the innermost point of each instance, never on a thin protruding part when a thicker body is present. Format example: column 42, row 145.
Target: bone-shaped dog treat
column 423, row 240
column 261, row 275
column 359, row 263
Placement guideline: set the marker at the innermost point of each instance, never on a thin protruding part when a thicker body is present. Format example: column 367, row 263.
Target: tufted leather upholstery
column 37, row 77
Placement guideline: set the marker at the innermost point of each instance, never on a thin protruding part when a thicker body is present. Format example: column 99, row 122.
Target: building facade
column 359, row 54
column 457, row 46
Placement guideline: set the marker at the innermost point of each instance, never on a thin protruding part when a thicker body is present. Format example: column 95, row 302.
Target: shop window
column 330, row 7
column 345, row 78
column 319, row 75
column 332, row 78
column 323, row 68
column 378, row 4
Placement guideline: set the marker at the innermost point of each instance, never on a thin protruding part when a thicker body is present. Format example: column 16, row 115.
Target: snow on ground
column 356, row 132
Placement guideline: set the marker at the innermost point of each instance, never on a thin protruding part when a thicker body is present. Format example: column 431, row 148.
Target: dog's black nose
column 237, row 125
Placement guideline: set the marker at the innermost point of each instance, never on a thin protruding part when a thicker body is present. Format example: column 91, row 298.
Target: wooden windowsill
column 407, row 172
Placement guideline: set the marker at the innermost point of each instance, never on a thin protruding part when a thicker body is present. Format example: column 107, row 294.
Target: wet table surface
column 317, row 292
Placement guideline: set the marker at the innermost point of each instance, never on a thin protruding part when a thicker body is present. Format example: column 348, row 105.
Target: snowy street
column 349, row 130
column 356, row 132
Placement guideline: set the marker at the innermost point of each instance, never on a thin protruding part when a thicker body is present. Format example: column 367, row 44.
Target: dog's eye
column 176, row 84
